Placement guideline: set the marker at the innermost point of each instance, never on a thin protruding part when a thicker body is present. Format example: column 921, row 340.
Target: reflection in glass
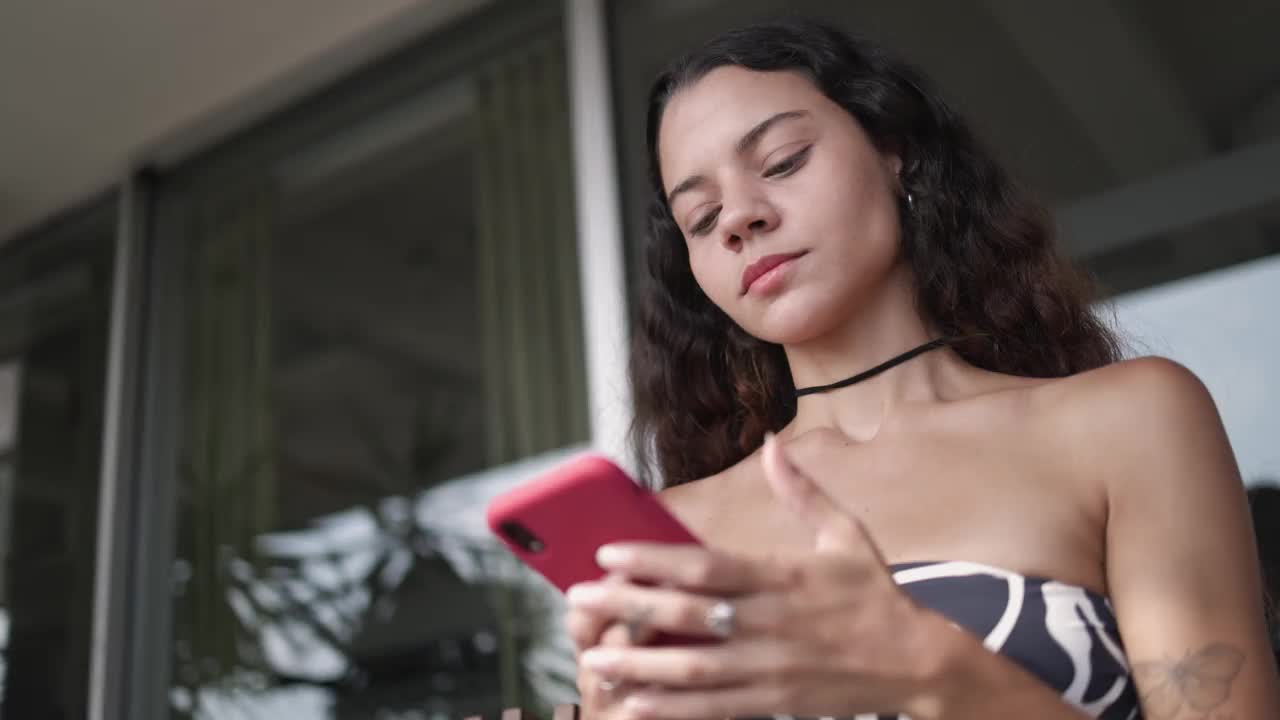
column 383, row 331
column 53, row 316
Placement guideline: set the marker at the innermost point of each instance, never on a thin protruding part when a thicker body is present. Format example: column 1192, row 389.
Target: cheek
column 856, row 201
column 849, row 186
column 710, row 273
column 859, row 225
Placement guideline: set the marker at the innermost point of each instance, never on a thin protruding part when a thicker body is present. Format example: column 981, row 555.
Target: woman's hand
column 601, row 696
column 828, row 633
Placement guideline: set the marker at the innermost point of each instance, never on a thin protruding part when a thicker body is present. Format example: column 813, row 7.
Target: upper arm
column 1182, row 569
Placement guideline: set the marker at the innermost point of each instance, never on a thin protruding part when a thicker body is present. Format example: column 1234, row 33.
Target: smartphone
column 555, row 522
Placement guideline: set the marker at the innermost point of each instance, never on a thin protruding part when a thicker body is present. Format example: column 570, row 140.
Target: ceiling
column 91, row 88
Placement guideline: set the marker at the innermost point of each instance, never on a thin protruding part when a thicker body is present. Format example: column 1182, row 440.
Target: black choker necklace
column 931, row 345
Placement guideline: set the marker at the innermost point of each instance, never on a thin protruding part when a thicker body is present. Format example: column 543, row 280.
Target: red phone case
column 575, row 508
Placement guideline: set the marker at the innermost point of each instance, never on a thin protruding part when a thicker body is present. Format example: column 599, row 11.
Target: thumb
column 835, row 528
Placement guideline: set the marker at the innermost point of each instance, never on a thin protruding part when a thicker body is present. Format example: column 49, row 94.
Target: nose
column 746, row 217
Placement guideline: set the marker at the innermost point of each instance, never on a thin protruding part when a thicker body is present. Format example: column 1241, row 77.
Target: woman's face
column 789, row 212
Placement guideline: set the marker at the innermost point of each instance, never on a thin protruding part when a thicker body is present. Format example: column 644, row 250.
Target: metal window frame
column 129, row 655
column 116, row 499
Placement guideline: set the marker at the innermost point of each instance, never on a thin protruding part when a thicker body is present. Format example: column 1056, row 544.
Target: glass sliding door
column 379, row 328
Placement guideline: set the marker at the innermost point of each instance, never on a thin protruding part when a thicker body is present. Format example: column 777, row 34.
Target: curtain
column 530, row 309
column 533, row 357
column 229, row 493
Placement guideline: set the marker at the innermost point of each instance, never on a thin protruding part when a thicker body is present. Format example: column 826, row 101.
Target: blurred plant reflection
column 312, row 602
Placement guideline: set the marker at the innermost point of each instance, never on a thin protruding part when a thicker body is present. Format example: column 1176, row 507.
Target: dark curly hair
column 982, row 252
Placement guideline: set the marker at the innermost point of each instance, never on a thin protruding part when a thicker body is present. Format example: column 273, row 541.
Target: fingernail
column 600, row 659
column 610, row 556
column 585, row 594
column 638, row 703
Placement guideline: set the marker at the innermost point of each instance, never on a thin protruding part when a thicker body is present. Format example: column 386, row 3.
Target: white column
column 599, row 220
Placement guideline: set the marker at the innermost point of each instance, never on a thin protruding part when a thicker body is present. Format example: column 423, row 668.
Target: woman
column 1007, row 522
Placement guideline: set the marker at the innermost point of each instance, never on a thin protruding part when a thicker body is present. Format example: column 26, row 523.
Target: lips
column 764, row 265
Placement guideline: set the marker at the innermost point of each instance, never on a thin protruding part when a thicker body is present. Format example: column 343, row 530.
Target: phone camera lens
column 522, row 536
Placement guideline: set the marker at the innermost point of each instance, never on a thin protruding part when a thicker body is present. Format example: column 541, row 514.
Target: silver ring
column 719, row 620
column 609, row 686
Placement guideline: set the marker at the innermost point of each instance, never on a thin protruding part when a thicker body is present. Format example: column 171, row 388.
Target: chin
column 793, row 319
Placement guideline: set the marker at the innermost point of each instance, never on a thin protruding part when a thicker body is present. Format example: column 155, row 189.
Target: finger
column 600, row 691
column 692, row 567
column 835, row 529
column 703, row 666
column 736, row 701
column 597, row 693
column 616, row 635
column 622, row 635
column 585, row 627
column 670, row 610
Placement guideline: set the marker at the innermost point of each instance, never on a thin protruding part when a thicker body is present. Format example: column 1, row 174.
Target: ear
column 893, row 163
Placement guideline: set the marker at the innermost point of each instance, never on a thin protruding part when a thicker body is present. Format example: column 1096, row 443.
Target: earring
column 911, row 201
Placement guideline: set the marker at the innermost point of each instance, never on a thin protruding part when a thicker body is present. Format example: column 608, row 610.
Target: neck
column 886, row 326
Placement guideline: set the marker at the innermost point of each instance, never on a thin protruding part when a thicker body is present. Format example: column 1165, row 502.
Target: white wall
column 1222, row 325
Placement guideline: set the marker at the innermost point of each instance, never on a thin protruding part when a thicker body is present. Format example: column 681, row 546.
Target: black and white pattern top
column 1063, row 634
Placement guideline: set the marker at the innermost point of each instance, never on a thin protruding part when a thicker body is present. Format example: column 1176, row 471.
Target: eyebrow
column 744, row 145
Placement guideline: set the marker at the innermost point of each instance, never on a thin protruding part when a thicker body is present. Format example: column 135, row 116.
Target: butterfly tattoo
column 1202, row 680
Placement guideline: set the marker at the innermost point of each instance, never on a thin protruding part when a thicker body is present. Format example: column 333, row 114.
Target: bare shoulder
column 697, row 503
column 1148, row 395
column 1143, row 413
column 684, row 498
column 1145, row 378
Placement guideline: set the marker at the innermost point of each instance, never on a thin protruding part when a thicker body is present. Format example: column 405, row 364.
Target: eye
column 789, row 165
column 706, row 223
